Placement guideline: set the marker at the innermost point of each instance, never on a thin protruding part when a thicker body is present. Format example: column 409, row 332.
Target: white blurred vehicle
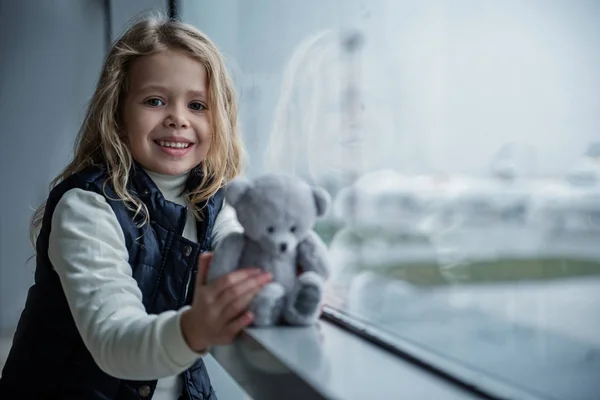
column 394, row 201
column 571, row 205
column 463, row 217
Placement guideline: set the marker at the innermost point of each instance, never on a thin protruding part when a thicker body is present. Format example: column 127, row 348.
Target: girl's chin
column 176, row 171
column 170, row 169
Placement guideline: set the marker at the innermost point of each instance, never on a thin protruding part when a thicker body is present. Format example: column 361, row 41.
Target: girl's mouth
column 174, row 148
column 174, row 145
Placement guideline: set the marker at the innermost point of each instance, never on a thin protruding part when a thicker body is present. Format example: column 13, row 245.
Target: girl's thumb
column 203, row 263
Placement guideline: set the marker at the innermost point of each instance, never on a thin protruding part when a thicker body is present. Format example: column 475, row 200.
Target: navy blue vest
column 48, row 359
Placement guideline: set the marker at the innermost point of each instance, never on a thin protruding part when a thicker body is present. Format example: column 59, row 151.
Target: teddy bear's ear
column 322, row 200
column 235, row 190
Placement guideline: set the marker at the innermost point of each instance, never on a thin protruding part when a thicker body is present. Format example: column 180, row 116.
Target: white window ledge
column 326, row 362
column 471, row 351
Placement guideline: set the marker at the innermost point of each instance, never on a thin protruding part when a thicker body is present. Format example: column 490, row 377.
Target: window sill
column 325, row 362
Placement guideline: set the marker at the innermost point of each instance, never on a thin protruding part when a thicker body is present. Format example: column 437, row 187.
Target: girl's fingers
column 238, row 305
column 204, row 260
column 232, row 279
column 251, row 285
column 235, row 326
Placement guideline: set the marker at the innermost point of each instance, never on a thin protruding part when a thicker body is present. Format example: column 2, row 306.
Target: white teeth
column 177, row 145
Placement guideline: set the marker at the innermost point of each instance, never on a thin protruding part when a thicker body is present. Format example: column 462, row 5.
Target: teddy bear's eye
column 293, row 229
column 270, row 229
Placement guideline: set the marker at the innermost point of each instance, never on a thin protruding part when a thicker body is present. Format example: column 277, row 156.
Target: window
column 461, row 144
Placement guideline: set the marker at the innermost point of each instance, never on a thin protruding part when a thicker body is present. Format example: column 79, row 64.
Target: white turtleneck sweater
column 87, row 250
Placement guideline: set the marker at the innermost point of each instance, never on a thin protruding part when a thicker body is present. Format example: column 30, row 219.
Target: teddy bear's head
column 277, row 211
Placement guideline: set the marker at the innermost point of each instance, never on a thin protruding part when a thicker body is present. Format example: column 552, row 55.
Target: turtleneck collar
column 172, row 187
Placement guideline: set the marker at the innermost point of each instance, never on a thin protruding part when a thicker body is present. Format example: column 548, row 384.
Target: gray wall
column 122, row 11
column 51, row 53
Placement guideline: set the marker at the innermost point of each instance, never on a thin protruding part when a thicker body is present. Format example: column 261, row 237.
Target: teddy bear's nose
column 283, row 247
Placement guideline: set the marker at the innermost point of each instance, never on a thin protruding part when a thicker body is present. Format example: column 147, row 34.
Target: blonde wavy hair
column 101, row 139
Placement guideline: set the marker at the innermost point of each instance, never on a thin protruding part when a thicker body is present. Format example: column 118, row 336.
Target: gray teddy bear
column 278, row 213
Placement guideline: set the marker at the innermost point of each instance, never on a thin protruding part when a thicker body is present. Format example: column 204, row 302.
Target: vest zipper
column 187, row 286
column 189, row 278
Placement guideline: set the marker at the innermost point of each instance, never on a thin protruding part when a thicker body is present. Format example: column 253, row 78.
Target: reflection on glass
column 332, row 121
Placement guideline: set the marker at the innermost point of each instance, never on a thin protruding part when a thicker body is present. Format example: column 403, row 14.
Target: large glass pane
column 460, row 141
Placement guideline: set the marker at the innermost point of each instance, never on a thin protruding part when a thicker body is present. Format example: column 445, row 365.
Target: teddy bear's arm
column 312, row 255
column 226, row 257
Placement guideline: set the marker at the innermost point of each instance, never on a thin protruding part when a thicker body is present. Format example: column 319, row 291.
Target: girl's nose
column 176, row 120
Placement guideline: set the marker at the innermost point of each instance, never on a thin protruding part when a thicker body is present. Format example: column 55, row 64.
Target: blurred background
column 460, row 141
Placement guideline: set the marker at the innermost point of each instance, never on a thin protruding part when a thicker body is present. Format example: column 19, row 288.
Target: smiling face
column 165, row 112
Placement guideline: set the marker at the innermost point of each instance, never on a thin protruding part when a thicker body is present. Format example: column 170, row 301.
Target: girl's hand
column 219, row 310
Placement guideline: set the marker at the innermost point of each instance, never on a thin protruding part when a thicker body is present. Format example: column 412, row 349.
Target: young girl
column 119, row 299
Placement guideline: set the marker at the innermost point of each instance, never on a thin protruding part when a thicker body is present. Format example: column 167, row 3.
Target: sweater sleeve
column 225, row 223
column 87, row 250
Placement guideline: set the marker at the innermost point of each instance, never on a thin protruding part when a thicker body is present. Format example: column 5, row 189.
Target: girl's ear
column 322, row 200
column 235, row 190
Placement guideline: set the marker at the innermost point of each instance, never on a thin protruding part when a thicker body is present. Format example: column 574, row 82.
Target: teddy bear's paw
column 268, row 304
column 305, row 299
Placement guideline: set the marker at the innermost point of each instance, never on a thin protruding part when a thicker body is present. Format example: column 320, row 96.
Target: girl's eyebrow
column 198, row 93
column 153, row 88
column 158, row 88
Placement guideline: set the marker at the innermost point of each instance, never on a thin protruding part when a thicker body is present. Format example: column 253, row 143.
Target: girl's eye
column 270, row 229
column 155, row 102
column 293, row 229
column 197, row 106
